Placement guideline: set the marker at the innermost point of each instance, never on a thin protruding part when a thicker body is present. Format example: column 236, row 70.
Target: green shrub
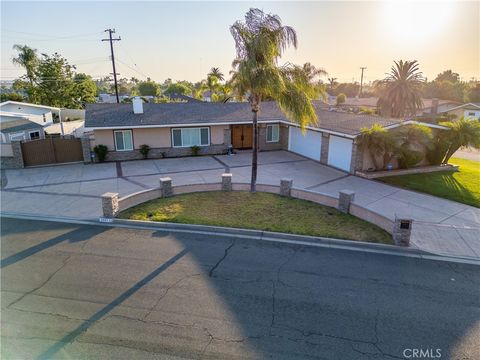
column 408, row 158
column 101, row 152
column 341, row 98
column 144, row 150
column 195, row 150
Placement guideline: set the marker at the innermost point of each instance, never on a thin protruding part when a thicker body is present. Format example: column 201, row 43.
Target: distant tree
column 55, row 82
column 85, row 89
column 27, row 58
column 448, row 75
column 178, row 88
column 473, row 94
column 401, row 90
column 13, row 96
column 148, row 88
column 214, row 71
column 341, row 98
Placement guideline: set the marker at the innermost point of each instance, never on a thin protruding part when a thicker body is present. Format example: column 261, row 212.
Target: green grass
column 260, row 211
column 462, row 186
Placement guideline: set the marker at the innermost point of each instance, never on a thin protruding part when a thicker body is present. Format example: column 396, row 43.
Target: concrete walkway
column 440, row 226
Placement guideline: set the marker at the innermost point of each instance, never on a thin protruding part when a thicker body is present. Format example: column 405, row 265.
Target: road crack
column 210, row 273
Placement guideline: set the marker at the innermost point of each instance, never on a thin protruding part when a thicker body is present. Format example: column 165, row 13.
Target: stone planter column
column 166, row 186
column 286, row 187
column 86, row 151
column 324, row 148
column 110, row 204
column 402, row 230
column 17, row 155
column 227, row 182
column 344, row 200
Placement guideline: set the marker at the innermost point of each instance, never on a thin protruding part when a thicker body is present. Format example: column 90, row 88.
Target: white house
column 40, row 114
column 468, row 110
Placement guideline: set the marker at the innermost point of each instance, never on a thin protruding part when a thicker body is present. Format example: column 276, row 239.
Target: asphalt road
column 92, row 292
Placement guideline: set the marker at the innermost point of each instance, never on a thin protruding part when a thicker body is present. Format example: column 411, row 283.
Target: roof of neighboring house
column 209, row 113
column 182, row 97
column 467, row 106
column 372, row 102
column 75, row 128
column 28, row 105
column 20, row 124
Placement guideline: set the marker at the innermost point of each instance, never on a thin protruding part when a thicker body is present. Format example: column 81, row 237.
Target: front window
column 34, row 135
column 273, row 133
column 185, row 137
column 123, row 140
column 17, row 136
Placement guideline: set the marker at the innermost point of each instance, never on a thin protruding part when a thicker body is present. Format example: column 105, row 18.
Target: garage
column 308, row 144
column 340, row 152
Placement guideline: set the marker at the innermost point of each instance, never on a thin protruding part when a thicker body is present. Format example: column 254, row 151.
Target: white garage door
column 340, row 152
column 308, row 144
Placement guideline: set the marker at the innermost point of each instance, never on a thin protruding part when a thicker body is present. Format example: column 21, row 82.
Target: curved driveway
column 440, row 226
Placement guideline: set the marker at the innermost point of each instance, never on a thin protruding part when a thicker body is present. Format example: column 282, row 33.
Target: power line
column 53, row 37
column 111, row 40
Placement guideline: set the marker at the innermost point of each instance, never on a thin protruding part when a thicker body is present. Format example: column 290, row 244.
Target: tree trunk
column 253, row 182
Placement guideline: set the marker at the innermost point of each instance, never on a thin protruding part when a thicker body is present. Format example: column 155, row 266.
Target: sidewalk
column 440, row 226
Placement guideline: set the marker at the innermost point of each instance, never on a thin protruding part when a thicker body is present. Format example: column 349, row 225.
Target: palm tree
column 214, row 71
column 400, row 91
column 27, row 58
column 461, row 133
column 378, row 142
column 312, row 71
column 260, row 41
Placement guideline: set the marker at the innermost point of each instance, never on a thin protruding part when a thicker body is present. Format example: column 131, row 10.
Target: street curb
column 267, row 236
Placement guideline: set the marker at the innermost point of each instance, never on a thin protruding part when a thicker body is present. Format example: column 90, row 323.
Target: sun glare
column 415, row 22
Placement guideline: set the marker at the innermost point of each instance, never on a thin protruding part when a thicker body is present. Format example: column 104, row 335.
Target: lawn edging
column 398, row 172
column 356, row 210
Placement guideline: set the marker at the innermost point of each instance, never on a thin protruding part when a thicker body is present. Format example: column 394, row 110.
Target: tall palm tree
column 400, row 91
column 215, row 71
column 27, row 58
column 260, row 41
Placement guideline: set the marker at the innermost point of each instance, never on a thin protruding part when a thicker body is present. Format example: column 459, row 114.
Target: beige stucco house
column 172, row 129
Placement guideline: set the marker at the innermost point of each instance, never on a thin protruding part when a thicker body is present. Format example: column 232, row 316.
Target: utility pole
column 361, row 81
column 110, row 32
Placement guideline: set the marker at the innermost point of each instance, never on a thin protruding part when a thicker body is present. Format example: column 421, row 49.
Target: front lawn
column 462, row 186
column 261, row 211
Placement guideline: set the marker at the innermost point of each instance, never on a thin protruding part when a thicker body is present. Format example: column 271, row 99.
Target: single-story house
column 15, row 127
column 171, row 129
column 468, row 110
column 40, row 114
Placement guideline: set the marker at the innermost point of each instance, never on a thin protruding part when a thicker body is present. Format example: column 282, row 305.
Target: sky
column 183, row 40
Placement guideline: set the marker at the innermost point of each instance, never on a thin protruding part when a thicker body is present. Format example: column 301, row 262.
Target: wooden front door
column 242, row 137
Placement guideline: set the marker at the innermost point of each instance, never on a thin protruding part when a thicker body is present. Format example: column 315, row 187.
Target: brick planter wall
column 169, row 152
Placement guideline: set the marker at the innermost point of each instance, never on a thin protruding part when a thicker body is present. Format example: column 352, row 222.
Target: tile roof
column 185, row 114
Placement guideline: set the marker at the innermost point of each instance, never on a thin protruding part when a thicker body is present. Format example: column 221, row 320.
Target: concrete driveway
column 441, row 226
column 95, row 292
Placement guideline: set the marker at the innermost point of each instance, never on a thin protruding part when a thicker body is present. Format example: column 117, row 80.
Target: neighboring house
column 430, row 106
column 469, row 111
column 40, row 114
column 110, row 99
column 171, row 129
column 16, row 128
column 183, row 98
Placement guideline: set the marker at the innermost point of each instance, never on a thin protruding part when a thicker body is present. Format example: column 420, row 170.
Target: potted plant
column 195, row 150
column 144, row 150
column 101, row 152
